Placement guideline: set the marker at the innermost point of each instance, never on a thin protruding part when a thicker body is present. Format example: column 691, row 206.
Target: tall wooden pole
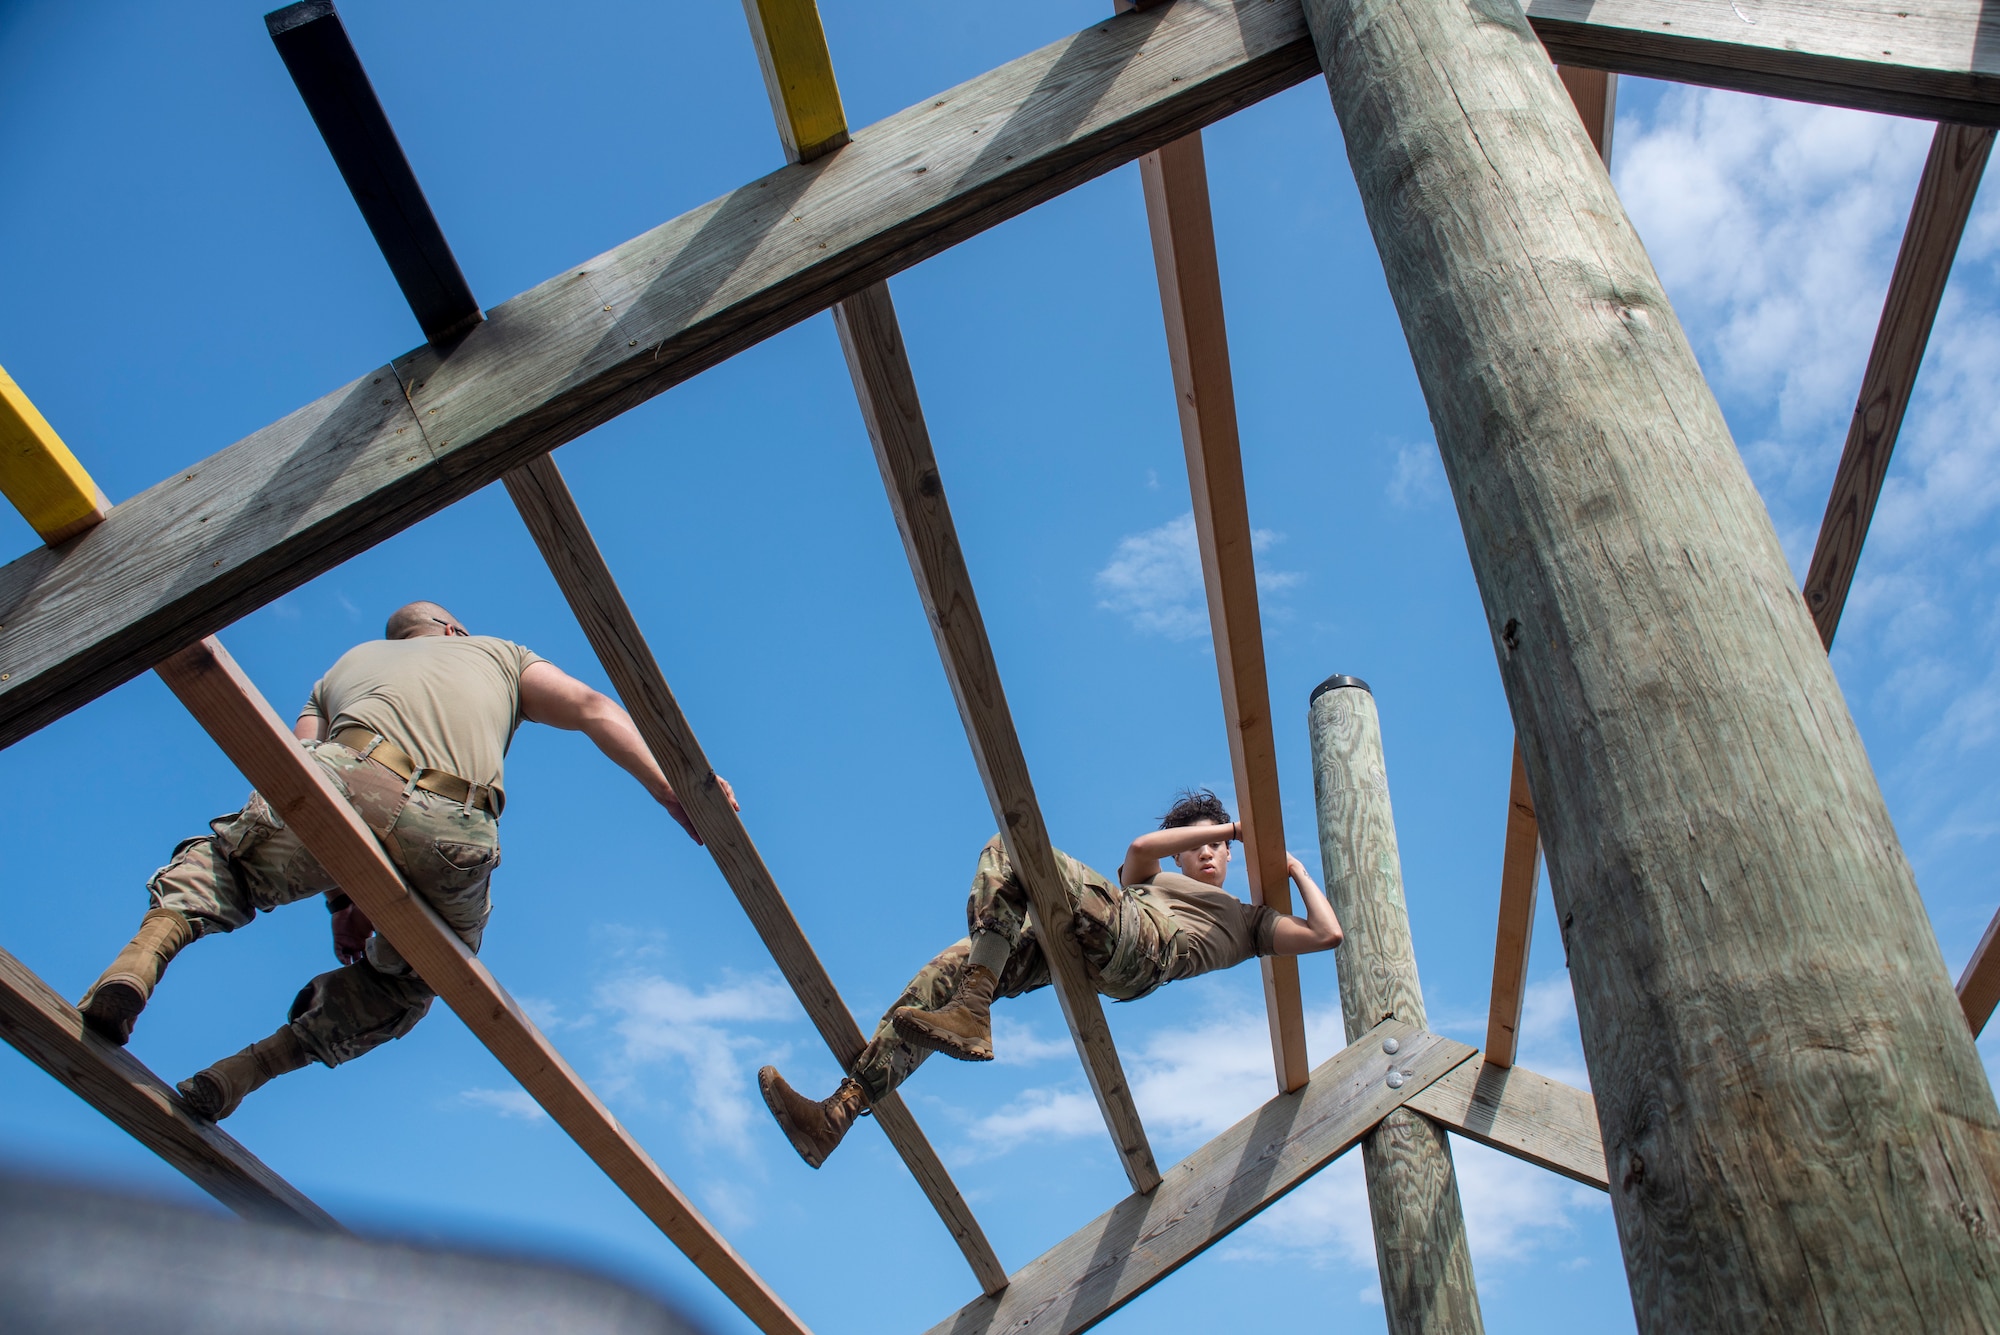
column 1798, row 1128
column 1420, row 1248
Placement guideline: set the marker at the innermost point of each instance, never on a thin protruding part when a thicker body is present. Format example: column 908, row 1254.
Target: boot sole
column 205, row 1097
column 913, row 1031
column 767, row 1086
column 112, row 1010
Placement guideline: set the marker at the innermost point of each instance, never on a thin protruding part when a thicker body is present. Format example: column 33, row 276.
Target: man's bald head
column 417, row 619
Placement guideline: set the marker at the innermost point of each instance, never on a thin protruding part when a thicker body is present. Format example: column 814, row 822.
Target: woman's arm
column 1143, row 857
column 1318, row 930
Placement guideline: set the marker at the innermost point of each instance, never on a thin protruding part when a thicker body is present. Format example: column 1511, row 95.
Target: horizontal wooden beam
column 1221, row 1186
column 251, row 734
column 558, row 527
column 1933, row 59
column 887, row 389
column 40, row 475
column 1529, row 1116
column 314, row 45
column 47, row 1030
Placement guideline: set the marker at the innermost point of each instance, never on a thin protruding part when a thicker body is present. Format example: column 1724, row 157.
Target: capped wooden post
column 1798, row 1128
column 1420, row 1246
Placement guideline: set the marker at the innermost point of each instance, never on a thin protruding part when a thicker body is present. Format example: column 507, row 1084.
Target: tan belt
column 372, row 746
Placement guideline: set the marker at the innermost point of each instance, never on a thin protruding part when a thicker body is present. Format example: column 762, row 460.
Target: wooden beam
column 1420, row 1243
column 1217, row 1189
column 1520, row 860
column 551, row 515
column 1529, row 1116
column 1945, row 193
column 252, row 735
column 1979, row 985
column 1935, row 60
column 40, row 475
column 883, row 382
column 1782, row 1075
column 1176, row 185
column 1594, row 94
column 314, row 45
column 46, row 1030
column 798, row 75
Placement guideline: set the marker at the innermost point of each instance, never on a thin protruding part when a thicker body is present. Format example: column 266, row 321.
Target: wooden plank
column 1979, row 985
column 1420, row 1244
column 552, row 517
column 1177, row 206
column 1945, row 193
column 222, row 537
column 252, row 735
column 47, row 1030
column 40, row 475
column 1936, row 60
column 1728, row 878
column 1528, row 1116
column 1519, row 862
column 315, row 47
column 1594, row 94
column 887, row 389
column 798, row 75
column 1221, row 1186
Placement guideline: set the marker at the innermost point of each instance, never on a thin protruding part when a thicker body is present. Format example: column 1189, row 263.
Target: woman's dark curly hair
column 1195, row 806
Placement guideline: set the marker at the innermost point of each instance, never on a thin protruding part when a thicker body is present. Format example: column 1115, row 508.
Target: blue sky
column 183, row 265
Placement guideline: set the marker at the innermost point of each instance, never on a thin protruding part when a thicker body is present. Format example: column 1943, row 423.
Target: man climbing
column 412, row 729
column 1153, row 927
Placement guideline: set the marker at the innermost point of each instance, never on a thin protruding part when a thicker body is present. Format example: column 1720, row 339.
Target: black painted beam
column 314, row 45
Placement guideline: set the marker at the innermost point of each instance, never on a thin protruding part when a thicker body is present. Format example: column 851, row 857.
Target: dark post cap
column 297, row 16
column 1334, row 683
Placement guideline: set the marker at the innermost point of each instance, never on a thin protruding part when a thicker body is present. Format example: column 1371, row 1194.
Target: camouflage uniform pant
column 1128, row 949
column 251, row 861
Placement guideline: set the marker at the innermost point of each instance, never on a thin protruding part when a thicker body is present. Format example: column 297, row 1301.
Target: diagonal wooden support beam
column 1945, row 193
column 1979, row 985
column 1177, row 206
column 47, row 1031
column 1217, row 1189
column 1529, row 1116
column 251, row 734
column 887, row 390
column 40, row 475
column 551, row 515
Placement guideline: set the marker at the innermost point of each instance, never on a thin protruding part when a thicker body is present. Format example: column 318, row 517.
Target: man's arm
column 1318, row 930
column 310, row 728
column 550, row 695
column 1143, row 857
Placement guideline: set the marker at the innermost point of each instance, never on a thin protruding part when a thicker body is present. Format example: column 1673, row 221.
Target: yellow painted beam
column 798, row 73
column 39, row 474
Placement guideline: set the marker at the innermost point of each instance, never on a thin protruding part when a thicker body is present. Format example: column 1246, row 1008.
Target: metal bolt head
column 1395, row 1080
column 1391, row 1046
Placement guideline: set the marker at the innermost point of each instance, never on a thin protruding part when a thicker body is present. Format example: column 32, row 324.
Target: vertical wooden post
column 1798, row 1127
column 1420, row 1247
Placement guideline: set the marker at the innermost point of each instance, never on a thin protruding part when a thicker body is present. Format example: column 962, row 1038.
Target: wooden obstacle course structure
column 146, row 584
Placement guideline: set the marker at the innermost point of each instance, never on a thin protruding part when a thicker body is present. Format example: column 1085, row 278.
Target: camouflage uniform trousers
column 1129, row 949
column 251, row 861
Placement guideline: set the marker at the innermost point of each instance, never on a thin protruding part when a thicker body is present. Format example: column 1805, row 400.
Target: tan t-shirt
column 451, row 701
column 1218, row 930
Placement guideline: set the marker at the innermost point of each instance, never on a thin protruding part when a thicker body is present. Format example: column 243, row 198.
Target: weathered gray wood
column 224, row 536
column 1794, row 1115
column 1937, row 60
column 1221, row 1186
column 552, row 517
column 236, row 715
column 46, row 1030
column 887, row 390
column 1529, row 1116
column 1951, row 177
column 1420, row 1246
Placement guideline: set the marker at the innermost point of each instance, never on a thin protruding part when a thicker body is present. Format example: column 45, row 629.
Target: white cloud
column 659, row 1021
column 1154, row 580
column 1037, row 1115
column 1418, row 478
column 506, row 1102
column 1019, row 1044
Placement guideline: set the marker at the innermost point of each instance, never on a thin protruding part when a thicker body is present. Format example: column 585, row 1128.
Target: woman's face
column 1208, row 864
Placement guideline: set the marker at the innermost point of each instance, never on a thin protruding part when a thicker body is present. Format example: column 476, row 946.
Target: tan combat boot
column 122, row 991
column 216, row 1092
column 813, row 1128
column 962, row 1027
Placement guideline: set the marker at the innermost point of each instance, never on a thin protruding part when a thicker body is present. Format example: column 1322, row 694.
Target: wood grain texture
column 798, row 76
column 1945, row 192
column 225, row 536
column 1218, row 1188
column 887, row 390
column 1528, row 1116
column 552, row 517
column 40, row 475
column 1594, row 94
column 1791, row 1104
column 1520, row 859
column 1936, row 60
column 1176, row 185
column 252, row 735
column 46, row 1030
column 1420, row 1244
column 1979, row 985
